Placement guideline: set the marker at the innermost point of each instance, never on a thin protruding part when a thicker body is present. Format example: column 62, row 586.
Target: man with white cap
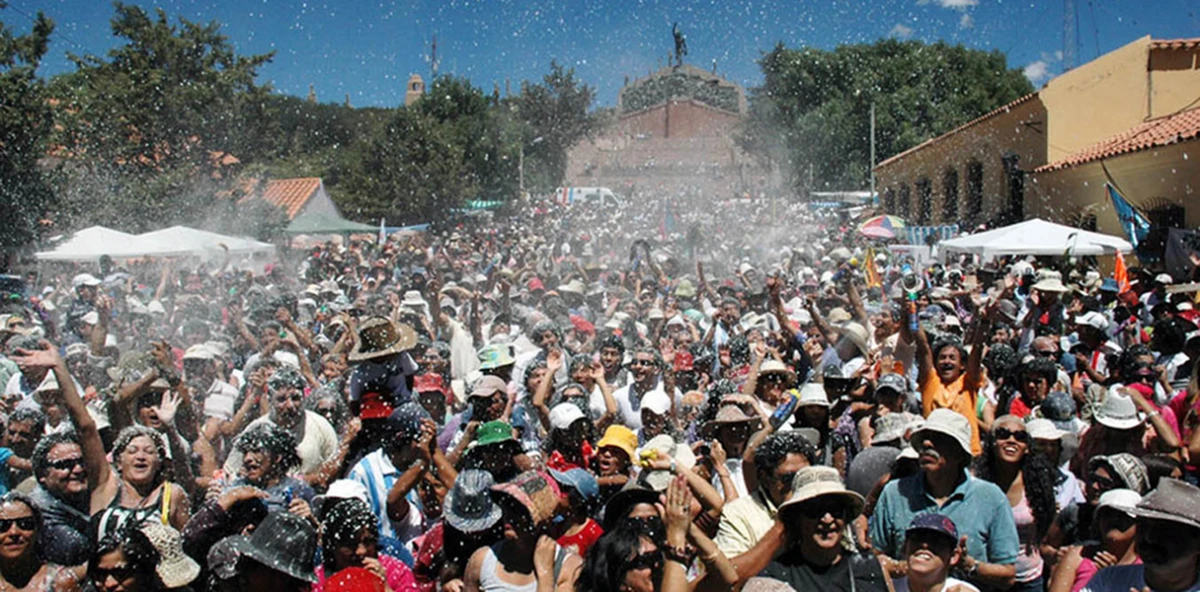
column 1116, row 530
column 85, row 285
column 979, row 508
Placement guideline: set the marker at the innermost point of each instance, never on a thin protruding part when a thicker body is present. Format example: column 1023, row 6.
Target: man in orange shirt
column 948, row 376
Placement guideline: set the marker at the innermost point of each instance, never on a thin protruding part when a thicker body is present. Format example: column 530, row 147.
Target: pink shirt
column 399, row 576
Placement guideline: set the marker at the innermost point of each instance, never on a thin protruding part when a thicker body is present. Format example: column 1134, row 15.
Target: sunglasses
column 786, row 478
column 648, row 560
column 118, row 574
column 26, row 523
column 294, row 396
column 1101, row 481
column 1046, row 354
column 641, row 363
column 1002, row 434
column 817, row 509
column 65, row 464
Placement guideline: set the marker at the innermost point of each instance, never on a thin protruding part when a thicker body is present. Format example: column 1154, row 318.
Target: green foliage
column 414, row 171
column 152, row 122
column 813, row 108
column 556, row 115
column 26, row 122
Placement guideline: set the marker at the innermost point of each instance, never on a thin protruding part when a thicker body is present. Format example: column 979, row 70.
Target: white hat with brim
column 813, row 394
column 814, row 482
column 857, row 334
column 565, row 414
column 1122, row 500
column 776, row 367
column 656, row 402
column 1043, row 429
column 1118, row 411
column 665, row 445
column 947, row 422
column 1050, row 284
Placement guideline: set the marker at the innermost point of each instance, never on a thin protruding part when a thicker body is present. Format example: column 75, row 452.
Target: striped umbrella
column 881, row 227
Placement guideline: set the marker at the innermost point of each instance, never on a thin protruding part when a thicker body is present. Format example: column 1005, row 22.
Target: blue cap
column 939, row 523
column 579, row 480
column 1110, row 285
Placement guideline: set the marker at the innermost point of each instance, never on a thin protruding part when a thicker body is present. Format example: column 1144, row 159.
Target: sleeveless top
column 111, row 519
column 1029, row 559
column 489, row 580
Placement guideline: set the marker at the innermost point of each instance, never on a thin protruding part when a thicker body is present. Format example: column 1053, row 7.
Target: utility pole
column 1070, row 35
column 872, row 152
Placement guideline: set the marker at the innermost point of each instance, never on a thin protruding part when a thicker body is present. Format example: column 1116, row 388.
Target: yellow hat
column 619, row 437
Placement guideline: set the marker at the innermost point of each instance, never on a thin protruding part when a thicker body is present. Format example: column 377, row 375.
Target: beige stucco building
column 1041, row 155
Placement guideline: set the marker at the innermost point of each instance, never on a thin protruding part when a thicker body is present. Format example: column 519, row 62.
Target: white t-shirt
column 319, row 444
column 631, row 416
column 901, row 585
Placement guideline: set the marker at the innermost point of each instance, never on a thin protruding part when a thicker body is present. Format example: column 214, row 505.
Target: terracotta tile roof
column 289, row 194
column 1191, row 43
column 1163, row 131
column 1002, row 109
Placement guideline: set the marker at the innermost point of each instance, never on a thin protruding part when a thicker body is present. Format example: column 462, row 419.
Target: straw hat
column 174, row 568
column 857, row 334
column 379, row 337
column 814, row 482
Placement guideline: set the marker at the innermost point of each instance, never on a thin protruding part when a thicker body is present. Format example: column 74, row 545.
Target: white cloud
column 966, row 22
column 900, row 31
column 1037, row 72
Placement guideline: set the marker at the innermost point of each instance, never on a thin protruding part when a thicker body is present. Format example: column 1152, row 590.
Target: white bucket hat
column 948, row 422
column 1118, row 411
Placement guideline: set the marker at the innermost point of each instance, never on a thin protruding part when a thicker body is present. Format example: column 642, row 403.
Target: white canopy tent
column 1036, row 237
column 90, row 243
column 193, row 241
column 177, row 241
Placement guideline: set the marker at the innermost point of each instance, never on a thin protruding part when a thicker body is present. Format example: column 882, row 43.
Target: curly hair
column 126, row 436
column 342, row 525
column 1038, row 367
column 341, row 412
column 31, row 416
column 43, row 447
column 776, row 448
column 277, row 442
column 1037, row 472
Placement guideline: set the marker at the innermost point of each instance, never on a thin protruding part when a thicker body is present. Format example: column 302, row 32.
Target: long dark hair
column 1037, row 473
column 607, row 560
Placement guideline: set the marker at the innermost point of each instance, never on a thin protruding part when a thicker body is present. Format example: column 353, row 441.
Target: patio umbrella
column 881, row 227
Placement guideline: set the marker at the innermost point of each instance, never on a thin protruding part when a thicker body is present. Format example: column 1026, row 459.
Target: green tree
column 556, row 116
column 475, row 123
column 812, row 113
column 26, row 122
column 156, row 122
column 412, row 172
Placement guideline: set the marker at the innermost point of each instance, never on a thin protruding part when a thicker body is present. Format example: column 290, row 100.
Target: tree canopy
column 26, row 122
column 812, row 113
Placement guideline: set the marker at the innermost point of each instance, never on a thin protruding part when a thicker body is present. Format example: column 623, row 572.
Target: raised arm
column 100, row 473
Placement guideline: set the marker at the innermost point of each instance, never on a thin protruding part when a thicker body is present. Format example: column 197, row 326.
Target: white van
column 587, row 195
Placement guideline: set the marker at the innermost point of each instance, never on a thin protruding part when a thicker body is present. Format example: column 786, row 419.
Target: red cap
column 582, row 325
column 374, row 407
column 354, row 579
column 535, row 284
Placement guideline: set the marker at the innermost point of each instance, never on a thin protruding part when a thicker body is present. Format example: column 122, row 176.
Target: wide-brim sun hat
column 633, row 493
column 947, row 422
column 1174, row 501
column 665, row 446
column 811, row 483
column 379, row 337
column 778, row 368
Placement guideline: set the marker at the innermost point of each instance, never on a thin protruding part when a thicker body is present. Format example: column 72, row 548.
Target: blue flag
column 1135, row 225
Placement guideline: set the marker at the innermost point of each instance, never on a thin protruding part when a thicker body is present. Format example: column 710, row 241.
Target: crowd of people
column 723, row 396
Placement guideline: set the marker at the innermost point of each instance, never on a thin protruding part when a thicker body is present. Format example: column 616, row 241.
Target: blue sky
column 368, row 48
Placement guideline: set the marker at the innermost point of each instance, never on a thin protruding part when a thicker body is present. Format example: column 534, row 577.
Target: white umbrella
column 1036, row 237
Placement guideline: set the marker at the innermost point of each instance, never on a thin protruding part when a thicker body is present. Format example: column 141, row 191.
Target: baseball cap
column 488, row 386
column 564, row 414
column 934, row 522
column 84, row 279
